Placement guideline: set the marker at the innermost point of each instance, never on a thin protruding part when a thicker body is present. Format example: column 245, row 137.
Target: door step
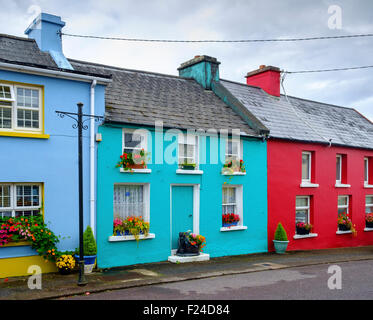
column 200, row 257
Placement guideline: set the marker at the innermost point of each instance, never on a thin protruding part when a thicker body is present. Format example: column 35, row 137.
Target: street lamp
column 81, row 126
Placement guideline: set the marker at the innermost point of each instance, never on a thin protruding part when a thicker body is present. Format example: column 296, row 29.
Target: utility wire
column 219, row 41
column 327, row 70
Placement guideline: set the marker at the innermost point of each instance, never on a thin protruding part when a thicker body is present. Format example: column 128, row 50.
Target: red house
column 320, row 164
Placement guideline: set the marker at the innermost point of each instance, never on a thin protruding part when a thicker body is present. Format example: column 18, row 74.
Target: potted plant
column 129, row 161
column 65, row 263
column 119, row 227
column 230, row 219
column 280, row 239
column 369, row 220
column 188, row 166
column 231, row 166
column 303, row 228
column 190, row 244
column 345, row 223
column 135, row 226
column 89, row 250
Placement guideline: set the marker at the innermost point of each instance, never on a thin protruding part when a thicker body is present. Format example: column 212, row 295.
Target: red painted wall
column 284, row 179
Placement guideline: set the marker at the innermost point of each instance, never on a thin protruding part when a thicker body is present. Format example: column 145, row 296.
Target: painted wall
column 254, row 239
column 284, row 179
column 53, row 161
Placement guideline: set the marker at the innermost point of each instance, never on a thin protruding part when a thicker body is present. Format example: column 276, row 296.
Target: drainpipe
column 92, row 179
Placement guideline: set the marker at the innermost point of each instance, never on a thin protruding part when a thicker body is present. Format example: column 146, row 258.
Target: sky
column 222, row 20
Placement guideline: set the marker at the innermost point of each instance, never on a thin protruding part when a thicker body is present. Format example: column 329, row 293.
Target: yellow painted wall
column 15, row 267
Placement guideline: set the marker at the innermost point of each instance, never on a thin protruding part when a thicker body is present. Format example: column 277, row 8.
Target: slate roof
column 304, row 120
column 139, row 97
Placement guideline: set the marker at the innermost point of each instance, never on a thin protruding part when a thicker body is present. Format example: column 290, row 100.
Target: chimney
column 45, row 30
column 203, row 69
column 267, row 78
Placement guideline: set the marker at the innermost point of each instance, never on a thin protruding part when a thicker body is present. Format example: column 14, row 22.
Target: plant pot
column 187, row 167
column 64, row 271
column 119, row 233
column 368, row 224
column 231, row 224
column 89, row 263
column 302, row 231
column 280, row 246
column 343, row 227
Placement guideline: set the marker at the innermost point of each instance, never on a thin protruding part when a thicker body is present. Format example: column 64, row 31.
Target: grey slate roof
column 304, row 120
column 23, row 51
column 138, row 97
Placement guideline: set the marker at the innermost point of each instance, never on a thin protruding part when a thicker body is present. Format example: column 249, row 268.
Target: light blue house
column 179, row 120
column 38, row 159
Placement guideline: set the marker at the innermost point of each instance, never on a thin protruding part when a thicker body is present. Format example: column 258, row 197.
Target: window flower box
column 188, row 166
column 369, row 220
column 230, row 220
column 131, row 226
column 303, row 228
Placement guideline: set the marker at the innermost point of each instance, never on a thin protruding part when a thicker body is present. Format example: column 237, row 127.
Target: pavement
column 55, row 286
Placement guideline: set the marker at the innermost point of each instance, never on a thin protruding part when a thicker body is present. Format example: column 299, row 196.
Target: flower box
column 188, row 166
column 368, row 224
column 302, row 231
column 343, row 227
column 227, row 225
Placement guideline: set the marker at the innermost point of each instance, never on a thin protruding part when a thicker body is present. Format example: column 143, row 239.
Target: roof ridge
column 16, row 37
column 127, row 70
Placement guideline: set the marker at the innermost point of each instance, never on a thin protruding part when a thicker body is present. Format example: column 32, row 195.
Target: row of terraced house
column 300, row 160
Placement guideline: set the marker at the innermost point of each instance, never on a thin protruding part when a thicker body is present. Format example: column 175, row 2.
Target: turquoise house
column 190, row 133
column 38, row 161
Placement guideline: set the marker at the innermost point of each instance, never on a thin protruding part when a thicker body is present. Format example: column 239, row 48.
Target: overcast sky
column 223, row 20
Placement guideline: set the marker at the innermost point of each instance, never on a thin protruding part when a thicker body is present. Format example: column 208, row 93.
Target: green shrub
column 280, row 234
column 89, row 243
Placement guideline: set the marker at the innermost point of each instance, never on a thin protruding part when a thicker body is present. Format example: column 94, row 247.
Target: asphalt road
column 350, row 280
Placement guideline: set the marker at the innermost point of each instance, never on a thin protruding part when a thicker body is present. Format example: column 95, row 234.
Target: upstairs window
column 306, row 166
column 20, row 108
column 339, row 169
column 188, row 152
column 368, row 171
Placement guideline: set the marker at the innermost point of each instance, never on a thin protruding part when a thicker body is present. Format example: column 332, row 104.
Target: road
column 299, row 283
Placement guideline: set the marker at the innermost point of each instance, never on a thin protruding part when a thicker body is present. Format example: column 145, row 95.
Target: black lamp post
column 81, row 126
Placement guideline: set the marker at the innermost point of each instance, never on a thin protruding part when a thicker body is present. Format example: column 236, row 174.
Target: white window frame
column 146, row 198
column 239, row 149
column 188, row 139
column 143, row 133
column 339, row 181
column 239, row 207
column 13, row 199
column 344, row 206
column 308, row 207
column 366, row 170
column 368, row 205
column 308, row 180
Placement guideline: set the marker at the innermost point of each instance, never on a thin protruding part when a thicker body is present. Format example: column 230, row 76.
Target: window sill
column 234, row 174
column 25, row 135
column 130, row 237
column 341, row 185
column 181, row 171
column 234, row 228
column 368, row 186
column 344, row 232
column 368, row 229
column 309, row 185
column 303, row 236
column 136, row 170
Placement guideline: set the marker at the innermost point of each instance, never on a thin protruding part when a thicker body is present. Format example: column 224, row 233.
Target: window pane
column 338, row 168
column 27, row 118
column 342, row 201
column 133, row 140
column 369, row 200
column 5, row 92
column 27, row 196
column 5, row 196
column 27, row 98
column 301, row 216
column 5, row 117
column 366, row 161
column 301, row 202
column 306, row 166
column 229, row 195
column 128, row 201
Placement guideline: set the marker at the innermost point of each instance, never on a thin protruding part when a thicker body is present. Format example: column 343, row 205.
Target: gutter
column 92, row 179
column 54, row 73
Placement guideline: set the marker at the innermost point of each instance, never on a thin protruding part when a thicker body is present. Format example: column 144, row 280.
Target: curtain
column 128, row 201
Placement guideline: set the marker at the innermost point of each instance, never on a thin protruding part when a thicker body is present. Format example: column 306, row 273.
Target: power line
column 219, row 41
column 327, row 70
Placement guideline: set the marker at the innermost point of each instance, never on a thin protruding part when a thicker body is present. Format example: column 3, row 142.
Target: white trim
column 343, row 232
column 136, row 170
column 234, row 174
column 368, row 229
column 305, row 184
column 181, row 171
column 366, row 171
column 303, row 236
column 339, row 181
column 308, row 207
column 233, row 228
column 368, row 186
column 341, row 185
column 53, row 73
column 131, row 237
column 92, row 164
column 239, row 203
column 141, row 132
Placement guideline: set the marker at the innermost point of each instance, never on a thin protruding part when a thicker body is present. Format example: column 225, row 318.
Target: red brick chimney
column 267, row 78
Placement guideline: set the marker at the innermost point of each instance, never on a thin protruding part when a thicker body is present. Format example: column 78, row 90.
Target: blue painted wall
column 254, row 239
column 53, row 161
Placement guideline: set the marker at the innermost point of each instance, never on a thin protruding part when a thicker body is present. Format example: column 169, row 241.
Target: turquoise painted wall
column 252, row 240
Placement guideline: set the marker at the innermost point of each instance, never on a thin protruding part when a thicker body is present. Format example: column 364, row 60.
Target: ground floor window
column 20, row 199
column 232, row 206
column 369, row 211
column 344, row 215
column 303, row 215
